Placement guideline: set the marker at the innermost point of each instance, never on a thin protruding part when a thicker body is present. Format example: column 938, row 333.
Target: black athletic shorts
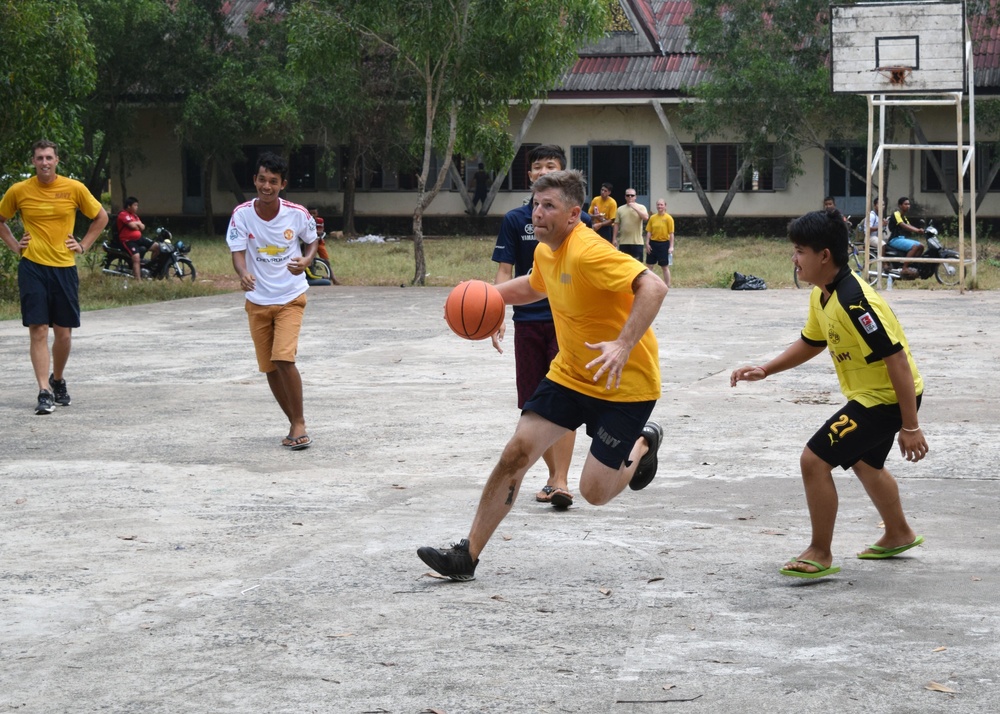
column 858, row 433
column 636, row 251
column 613, row 426
column 660, row 253
column 49, row 296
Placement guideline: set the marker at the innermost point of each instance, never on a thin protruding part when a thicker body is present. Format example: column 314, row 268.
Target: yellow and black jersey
column 860, row 329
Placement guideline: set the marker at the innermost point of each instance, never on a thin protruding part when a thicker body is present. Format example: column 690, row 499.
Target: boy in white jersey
column 264, row 237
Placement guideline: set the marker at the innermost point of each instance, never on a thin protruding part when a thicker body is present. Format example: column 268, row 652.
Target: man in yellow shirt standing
column 46, row 274
column 606, row 374
column 660, row 239
column 603, row 210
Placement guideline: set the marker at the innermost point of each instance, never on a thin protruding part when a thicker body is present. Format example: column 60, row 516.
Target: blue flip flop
column 821, row 573
column 881, row 552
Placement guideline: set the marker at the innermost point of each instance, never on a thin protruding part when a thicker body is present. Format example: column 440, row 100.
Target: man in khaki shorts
column 264, row 237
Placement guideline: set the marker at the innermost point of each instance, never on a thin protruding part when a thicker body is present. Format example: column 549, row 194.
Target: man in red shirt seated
column 130, row 230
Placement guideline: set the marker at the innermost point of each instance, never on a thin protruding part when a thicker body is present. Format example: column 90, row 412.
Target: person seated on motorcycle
column 899, row 228
column 873, row 221
column 320, row 233
column 130, row 230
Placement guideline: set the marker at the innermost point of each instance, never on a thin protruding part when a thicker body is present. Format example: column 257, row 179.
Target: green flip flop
column 821, row 573
column 881, row 552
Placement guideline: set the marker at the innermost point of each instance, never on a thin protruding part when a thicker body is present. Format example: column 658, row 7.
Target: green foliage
column 47, row 66
column 458, row 64
column 770, row 82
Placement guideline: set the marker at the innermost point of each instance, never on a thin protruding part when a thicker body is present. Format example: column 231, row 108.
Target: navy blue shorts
column 614, row 427
column 635, row 251
column 660, row 253
column 49, row 296
column 858, row 433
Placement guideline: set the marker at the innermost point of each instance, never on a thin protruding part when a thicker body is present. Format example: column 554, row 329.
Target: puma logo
column 859, row 306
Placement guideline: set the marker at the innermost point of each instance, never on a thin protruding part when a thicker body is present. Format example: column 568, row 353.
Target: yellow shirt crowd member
column 589, row 286
column 48, row 213
column 607, row 206
column 660, row 227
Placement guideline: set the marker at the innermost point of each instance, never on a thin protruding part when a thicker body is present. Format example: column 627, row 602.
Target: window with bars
column 948, row 160
column 715, row 166
column 302, row 166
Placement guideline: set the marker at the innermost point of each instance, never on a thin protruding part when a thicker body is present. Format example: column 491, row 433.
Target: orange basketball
column 474, row 310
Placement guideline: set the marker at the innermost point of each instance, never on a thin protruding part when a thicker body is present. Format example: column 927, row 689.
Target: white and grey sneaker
column 46, row 404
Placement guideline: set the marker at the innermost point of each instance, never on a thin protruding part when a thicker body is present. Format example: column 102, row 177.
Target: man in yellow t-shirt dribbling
column 46, row 274
column 606, row 374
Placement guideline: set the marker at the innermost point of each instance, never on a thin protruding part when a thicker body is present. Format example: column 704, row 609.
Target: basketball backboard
column 897, row 47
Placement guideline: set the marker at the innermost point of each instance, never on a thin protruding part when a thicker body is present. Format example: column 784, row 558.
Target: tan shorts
column 275, row 331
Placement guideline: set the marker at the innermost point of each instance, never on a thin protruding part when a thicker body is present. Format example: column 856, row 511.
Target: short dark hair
column 44, row 144
column 131, row 201
column 608, row 186
column 569, row 183
column 820, row 231
column 547, row 151
column 902, row 200
column 273, row 163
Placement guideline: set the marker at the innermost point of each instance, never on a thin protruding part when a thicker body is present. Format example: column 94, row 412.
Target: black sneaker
column 60, row 395
column 646, row 470
column 46, row 405
column 455, row 562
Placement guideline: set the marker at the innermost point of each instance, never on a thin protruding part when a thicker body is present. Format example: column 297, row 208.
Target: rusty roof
column 656, row 60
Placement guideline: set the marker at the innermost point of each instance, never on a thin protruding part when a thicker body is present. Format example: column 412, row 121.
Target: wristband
column 763, row 370
column 903, row 428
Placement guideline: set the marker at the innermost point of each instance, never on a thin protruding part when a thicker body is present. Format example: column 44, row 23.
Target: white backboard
column 897, row 47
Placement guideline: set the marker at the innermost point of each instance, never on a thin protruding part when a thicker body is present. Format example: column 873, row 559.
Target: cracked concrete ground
column 160, row 552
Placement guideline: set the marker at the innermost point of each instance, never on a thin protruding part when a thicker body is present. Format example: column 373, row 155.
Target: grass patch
column 701, row 262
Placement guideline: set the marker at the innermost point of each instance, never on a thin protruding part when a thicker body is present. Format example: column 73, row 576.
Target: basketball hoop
column 896, row 75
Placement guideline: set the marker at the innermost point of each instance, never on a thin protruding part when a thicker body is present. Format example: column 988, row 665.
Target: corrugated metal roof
column 614, row 66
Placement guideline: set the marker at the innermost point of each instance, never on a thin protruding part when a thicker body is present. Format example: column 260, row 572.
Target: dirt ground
column 160, row 552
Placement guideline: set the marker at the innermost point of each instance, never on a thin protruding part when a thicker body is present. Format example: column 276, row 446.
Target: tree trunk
column 207, row 169
column 229, row 178
column 351, row 186
column 419, row 260
column 735, row 186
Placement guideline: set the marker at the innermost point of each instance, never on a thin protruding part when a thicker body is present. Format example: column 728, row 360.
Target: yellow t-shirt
column 859, row 329
column 660, row 227
column 608, row 206
column 48, row 213
column 589, row 286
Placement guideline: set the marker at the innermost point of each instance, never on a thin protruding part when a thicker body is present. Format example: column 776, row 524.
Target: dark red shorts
column 534, row 347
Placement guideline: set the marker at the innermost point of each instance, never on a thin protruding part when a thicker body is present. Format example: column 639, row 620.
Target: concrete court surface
column 160, row 552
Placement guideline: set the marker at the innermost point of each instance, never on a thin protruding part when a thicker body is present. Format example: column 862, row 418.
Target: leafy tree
column 135, row 63
column 48, row 69
column 235, row 87
column 770, row 82
column 466, row 60
column 351, row 95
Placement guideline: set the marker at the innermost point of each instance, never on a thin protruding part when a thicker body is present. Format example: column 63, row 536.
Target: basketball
column 474, row 310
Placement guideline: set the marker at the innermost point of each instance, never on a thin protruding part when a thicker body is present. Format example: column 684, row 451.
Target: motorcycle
column 172, row 261
column 944, row 273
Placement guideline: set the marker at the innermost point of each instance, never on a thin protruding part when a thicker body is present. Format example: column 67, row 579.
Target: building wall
column 159, row 183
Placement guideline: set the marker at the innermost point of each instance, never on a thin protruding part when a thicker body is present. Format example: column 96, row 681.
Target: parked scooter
column 172, row 261
column 945, row 273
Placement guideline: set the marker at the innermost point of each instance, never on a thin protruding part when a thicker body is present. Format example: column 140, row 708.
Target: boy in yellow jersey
column 606, row 374
column 877, row 375
column 46, row 274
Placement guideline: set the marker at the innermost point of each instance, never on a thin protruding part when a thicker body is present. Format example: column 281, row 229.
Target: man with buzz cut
column 606, row 374
column 535, row 343
column 46, row 274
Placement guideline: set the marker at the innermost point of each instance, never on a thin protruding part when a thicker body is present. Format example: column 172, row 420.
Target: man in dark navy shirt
column 534, row 332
